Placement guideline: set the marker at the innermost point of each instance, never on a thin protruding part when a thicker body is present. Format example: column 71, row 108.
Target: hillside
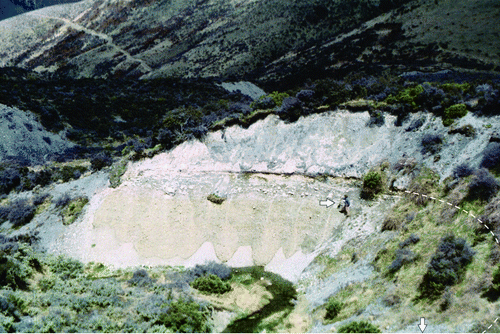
column 264, row 41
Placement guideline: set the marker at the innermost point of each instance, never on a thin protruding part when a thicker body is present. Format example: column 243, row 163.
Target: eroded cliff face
column 267, row 174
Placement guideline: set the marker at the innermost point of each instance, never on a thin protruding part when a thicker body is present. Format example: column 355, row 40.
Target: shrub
column 466, row 130
column 376, row 119
column 372, row 184
column 186, row 317
column 391, row 224
column 483, row 186
column 73, row 210
column 403, row 256
column 359, row 327
column 491, row 157
column 290, row 109
column 305, row 95
column 141, row 278
column 431, row 97
column 211, row 284
column 65, row 267
column 166, row 138
column 9, row 179
column 40, row 199
column 453, row 112
column 462, row 170
column 21, row 212
column 215, row 199
column 152, row 307
column 62, row 200
column 408, row 96
column 100, row 160
column 412, row 239
column 211, row 268
column 333, row 308
column 431, row 143
column 446, row 267
column 264, row 102
column 415, row 125
column 17, row 262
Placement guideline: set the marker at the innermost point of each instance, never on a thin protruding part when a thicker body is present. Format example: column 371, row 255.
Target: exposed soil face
column 265, row 212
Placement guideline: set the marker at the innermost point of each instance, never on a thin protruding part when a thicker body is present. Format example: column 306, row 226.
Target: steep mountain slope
column 263, row 40
column 9, row 8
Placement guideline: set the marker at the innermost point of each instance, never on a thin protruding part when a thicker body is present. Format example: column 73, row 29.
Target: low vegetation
column 214, row 198
column 359, row 327
column 211, row 284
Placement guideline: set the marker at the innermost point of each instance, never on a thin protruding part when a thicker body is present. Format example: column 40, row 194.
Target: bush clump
column 453, row 112
column 17, row 264
column 491, row 157
column 446, row 267
column 21, row 212
column 211, row 268
column 65, row 267
column 408, row 96
column 483, row 186
column 372, row 185
column 211, row 284
column 141, row 278
column 215, row 199
column 185, row 317
column 462, row 170
column 403, row 256
column 10, row 178
column 431, row 143
column 100, row 160
column 333, row 308
column 73, row 209
column 359, row 327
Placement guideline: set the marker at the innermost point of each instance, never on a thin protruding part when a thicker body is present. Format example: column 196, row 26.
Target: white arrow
column 328, row 203
column 422, row 324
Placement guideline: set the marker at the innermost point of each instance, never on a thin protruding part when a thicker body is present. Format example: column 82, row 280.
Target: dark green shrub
column 100, row 160
column 372, row 185
column 333, row 308
column 483, row 186
column 453, row 112
column 491, row 157
column 211, row 284
column 215, row 199
column 466, row 130
column 431, row 143
column 446, row 267
column 462, row 170
column 21, row 212
column 62, row 200
column 408, row 96
column 17, row 264
column 66, row 267
column 403, row 256
column 185, row 317
column 219, row 269
column 359, row 327
column 9, row 179
column 141, row 278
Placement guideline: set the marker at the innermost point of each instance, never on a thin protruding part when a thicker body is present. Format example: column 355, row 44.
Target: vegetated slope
column 419, row 35
column 110, row 38
column 9, row 8
column 23, row 138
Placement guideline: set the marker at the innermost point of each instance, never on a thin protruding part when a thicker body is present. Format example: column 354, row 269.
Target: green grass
column 117, row 172
column 73, row 210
